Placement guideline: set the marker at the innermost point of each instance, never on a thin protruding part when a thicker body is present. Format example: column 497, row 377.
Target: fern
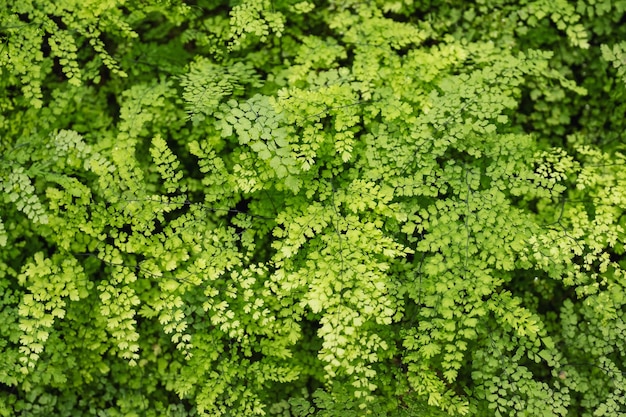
column 291, row 208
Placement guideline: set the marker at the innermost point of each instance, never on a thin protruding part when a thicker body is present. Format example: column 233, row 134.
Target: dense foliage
column 298, row 208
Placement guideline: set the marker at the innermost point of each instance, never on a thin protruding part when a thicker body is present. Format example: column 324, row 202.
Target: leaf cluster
column 293, row 208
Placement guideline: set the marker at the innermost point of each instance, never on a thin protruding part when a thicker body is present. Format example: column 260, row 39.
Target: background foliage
column 297, row 208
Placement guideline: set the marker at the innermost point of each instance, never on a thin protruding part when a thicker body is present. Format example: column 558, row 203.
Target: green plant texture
column 313, row 208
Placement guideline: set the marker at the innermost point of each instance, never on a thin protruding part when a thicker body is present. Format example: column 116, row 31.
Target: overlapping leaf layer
column 298, row 208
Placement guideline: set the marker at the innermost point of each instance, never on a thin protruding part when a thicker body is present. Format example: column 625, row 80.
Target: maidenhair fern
column 386, row 208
